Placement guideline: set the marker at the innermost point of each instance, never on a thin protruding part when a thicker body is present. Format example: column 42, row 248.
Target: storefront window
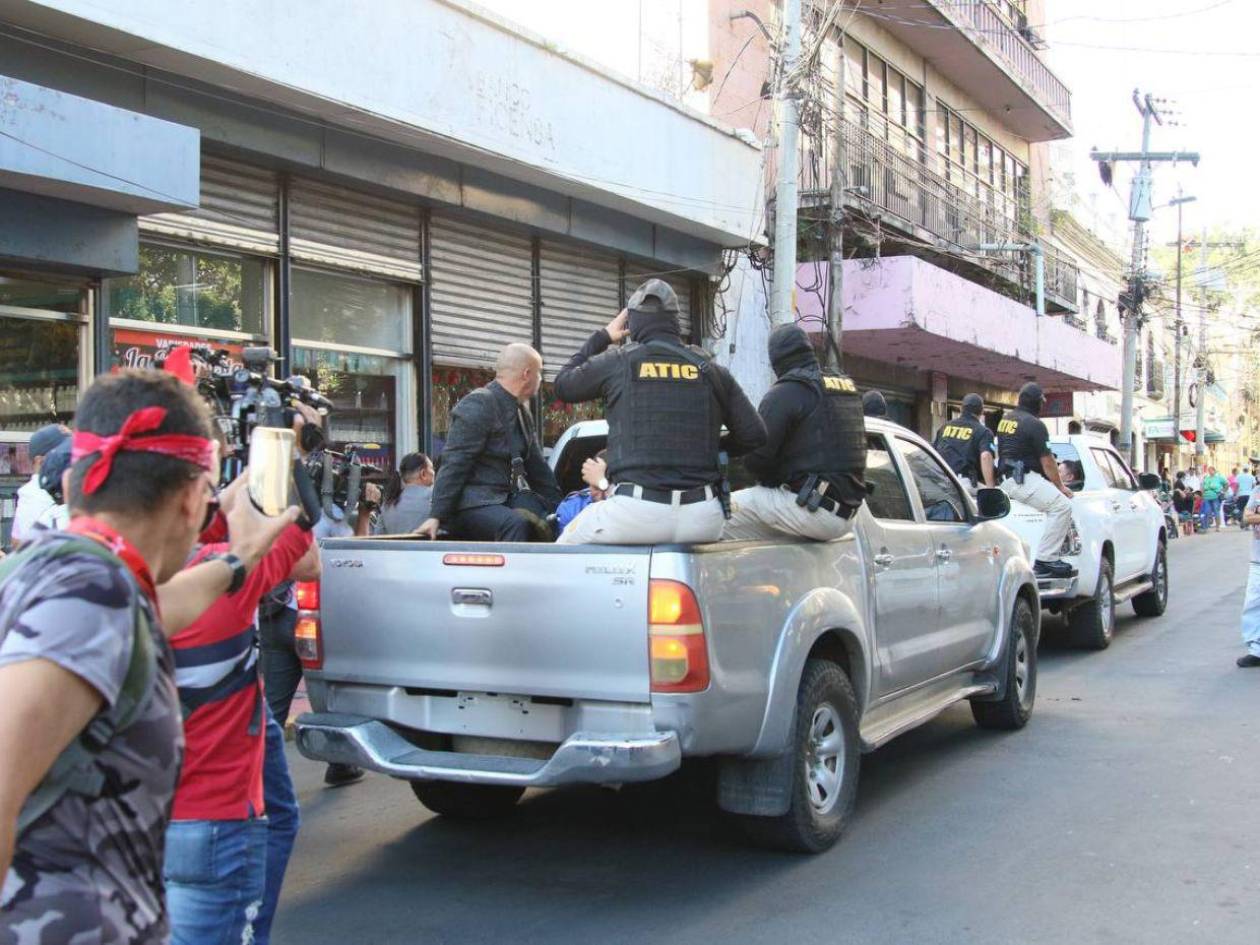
column 211, row 291
column 39, row 372
column 450, row 385
column 559, row 416
column 364, row 391
column 45, row 296
column 339, row 309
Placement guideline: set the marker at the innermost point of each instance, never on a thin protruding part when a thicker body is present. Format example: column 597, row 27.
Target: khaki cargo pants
column 625, row 520
column 763, row 512
column 1039, row 493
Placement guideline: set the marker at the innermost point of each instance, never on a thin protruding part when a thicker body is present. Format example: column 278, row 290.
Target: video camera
column 245, row 399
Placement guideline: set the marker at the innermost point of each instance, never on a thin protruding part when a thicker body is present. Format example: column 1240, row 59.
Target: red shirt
column 216, row 667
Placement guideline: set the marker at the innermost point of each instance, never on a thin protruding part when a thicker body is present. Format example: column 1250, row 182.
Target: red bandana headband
column 192, row 449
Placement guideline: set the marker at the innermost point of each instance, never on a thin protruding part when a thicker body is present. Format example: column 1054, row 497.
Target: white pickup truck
column 1118, row 543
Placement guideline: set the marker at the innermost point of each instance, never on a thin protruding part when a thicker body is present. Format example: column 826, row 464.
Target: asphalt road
column 1127, row 811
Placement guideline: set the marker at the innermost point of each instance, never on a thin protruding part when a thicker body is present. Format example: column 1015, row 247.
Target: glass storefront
column 558, row 416
column 450, row 384
column 364, row 391
column 194, row 288
column 331, row 315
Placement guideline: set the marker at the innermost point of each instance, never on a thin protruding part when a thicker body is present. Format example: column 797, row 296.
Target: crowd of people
column 1205, row 500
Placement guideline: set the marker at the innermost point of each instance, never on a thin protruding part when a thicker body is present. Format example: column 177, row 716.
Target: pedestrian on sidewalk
column 1251, row 603
column 1246, row 486
column 1214, row 487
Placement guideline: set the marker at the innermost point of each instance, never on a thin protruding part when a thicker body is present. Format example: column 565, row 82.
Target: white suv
column 1118, row 544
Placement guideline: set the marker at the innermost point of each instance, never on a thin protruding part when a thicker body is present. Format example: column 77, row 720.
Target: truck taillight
column 308, row 641
column 678, row 652
column 307, row 593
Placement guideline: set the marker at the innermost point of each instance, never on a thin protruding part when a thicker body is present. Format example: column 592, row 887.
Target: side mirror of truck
column 992, row 504
column 1148, row 481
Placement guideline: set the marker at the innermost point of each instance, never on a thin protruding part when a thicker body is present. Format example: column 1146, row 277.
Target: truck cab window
column 889, row 500
column 941, row 497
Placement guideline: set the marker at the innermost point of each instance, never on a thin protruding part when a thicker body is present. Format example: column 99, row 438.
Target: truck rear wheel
column 467, row 801
column 1092, row 624
column 826, row 755
column 1016, row 705
column 1155, row 601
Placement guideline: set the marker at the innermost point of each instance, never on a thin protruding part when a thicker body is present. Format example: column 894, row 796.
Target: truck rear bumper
column 1051, row 589
column 583, row 758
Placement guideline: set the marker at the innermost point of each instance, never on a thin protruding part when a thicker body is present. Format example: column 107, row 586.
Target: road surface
column 1127, row 811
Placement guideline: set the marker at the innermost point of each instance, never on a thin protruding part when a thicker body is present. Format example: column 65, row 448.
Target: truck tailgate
column 558, row 621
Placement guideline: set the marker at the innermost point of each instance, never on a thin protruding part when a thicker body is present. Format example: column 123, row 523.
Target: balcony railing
column 882, row 179
column 1014, row 49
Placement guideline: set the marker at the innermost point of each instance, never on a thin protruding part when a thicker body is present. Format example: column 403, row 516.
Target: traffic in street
column 1123, row 812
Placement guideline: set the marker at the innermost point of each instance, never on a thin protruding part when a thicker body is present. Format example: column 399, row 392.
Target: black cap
column 46, row 439
column 973, row 404
column 56, row 462
column 1032, row 397
column 874, row 405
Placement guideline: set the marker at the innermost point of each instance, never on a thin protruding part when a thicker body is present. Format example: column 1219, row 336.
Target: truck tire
column 467, row 801
column 1016, row 705
column 826, row 755
column 1092, row 624
column 1155, row 601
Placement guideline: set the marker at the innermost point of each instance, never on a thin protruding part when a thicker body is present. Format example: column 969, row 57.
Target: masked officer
column 1032, row 477
column 810, row 469
column 967, row 444
column 874, row 404
column 666, row 404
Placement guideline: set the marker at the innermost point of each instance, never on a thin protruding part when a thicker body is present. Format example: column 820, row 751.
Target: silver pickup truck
column 475, row 671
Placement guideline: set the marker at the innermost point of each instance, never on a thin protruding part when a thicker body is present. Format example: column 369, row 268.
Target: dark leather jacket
column 476, row 466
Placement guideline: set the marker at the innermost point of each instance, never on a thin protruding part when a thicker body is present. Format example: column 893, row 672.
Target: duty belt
column 666, row 496
column 831, row 505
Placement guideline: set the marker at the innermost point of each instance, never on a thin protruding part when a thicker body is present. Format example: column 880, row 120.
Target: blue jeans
column 1251, row 611
column 1210, row 512
column 215, row 874
column 282, row 825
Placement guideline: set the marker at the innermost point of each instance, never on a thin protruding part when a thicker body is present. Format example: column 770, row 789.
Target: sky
column 1181, row 50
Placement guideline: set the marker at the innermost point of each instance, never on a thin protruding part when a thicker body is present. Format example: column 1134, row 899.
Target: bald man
column 493, row 460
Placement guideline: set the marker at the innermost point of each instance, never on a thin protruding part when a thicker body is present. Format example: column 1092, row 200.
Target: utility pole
column 785, row 191
column 1201, row 401
column 1139, row 212
column 835, row 294
column 1180, row 202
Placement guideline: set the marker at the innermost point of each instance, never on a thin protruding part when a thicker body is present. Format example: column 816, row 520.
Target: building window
column 884, row 100
column 42, row 352
column 352, row 339
column 559, row 416
column 973, row 162
column 210, row 291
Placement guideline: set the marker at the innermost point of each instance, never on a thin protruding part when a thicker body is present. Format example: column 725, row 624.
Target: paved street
column 1126, row 812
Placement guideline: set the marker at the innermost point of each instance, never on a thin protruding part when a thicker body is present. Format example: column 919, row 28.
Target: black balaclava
column 973, row 405
column 1032, row 398
column 653, row 312
column 874, row 405
column 789, row 348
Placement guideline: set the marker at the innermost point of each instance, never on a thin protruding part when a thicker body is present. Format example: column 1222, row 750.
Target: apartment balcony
column 989, row 55
column 949, row 219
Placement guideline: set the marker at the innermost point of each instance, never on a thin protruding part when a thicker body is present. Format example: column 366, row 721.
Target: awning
column 905, row 311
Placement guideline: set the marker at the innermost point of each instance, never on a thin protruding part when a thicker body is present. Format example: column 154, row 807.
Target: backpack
column 75, row 769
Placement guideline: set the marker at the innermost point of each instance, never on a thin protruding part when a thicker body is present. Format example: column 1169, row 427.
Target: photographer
column 87, row 690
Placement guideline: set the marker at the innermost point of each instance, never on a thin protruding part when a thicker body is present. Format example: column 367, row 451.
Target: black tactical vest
column 831, row 440
column 956, row 442
column 667, row 416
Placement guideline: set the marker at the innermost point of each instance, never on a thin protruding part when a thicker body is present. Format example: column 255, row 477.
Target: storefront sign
column 141, row 349
column 1158, row 429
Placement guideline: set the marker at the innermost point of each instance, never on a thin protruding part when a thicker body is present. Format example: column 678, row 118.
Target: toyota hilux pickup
column 476, row 671
column 1118, row 542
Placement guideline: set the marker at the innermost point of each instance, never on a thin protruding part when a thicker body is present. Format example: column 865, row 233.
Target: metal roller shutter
column 333, row 226
column 581, row 292
column 239, row 208
column 638, row 273
column 481, row 296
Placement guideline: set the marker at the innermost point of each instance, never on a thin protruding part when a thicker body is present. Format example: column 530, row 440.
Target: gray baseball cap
column 655, row 295
column 46, row 439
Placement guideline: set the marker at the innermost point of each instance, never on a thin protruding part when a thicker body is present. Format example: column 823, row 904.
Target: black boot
column 339, row 775
column 1248, row 661
column 1053, row 569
